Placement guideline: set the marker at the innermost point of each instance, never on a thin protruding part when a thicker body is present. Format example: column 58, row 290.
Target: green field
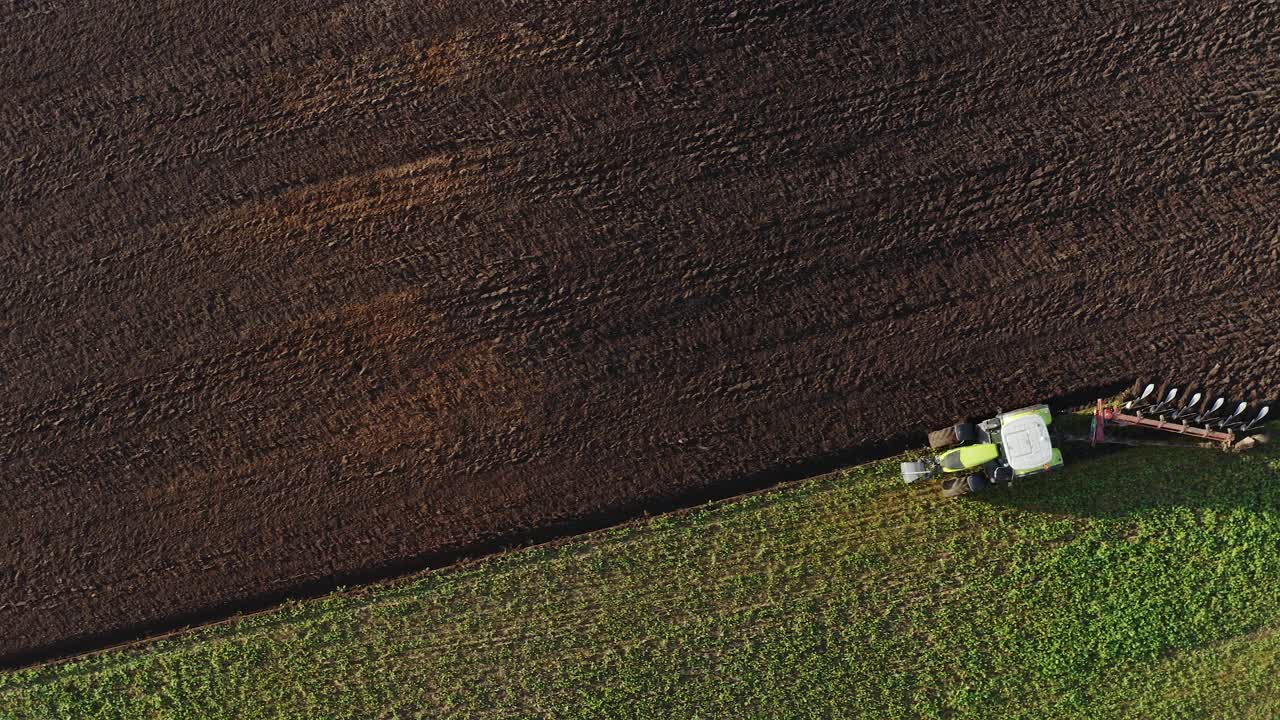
column 1141, row 584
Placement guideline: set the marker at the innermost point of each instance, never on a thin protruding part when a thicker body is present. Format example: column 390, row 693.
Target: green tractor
column 993, row 452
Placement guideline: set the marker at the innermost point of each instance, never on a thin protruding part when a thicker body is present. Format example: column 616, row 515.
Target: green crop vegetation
column 1140, row 584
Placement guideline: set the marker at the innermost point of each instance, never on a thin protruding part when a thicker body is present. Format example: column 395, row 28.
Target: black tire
column 955, row 487
column 1000, row 474
column 977, row 483
column 958, row 434
column 944, row 438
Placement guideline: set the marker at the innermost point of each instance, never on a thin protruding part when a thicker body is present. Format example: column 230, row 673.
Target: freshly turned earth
column 294, row 298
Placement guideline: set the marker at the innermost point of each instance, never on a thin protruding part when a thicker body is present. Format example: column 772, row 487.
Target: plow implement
column 1196, row 420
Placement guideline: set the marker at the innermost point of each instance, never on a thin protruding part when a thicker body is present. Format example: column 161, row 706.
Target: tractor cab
column 1024, row 441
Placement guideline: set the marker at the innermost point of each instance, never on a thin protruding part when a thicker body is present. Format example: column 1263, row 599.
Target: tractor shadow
column 1115, row 482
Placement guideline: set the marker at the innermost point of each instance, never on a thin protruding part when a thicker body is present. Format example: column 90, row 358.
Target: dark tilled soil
column 297, row 298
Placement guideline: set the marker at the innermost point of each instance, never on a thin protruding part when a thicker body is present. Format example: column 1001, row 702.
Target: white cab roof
column 1026, row 442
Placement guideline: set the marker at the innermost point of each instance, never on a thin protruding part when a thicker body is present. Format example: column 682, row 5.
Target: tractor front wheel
column 959, row 486
column 958, row 434
column 955, row 487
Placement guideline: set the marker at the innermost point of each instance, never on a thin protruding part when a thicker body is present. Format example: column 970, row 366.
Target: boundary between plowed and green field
column 1139, row 584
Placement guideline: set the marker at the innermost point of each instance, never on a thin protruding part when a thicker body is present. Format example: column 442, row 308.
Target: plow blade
column 1164, row 404
column 1231, row 420
column 1187, row 410
column 1204, row 417
column 1141, row 401
column 1257, row 420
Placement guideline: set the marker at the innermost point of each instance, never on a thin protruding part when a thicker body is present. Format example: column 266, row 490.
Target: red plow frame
column 1103, row 415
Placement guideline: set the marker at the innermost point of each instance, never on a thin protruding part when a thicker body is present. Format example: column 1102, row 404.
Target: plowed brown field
column 297, row 298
